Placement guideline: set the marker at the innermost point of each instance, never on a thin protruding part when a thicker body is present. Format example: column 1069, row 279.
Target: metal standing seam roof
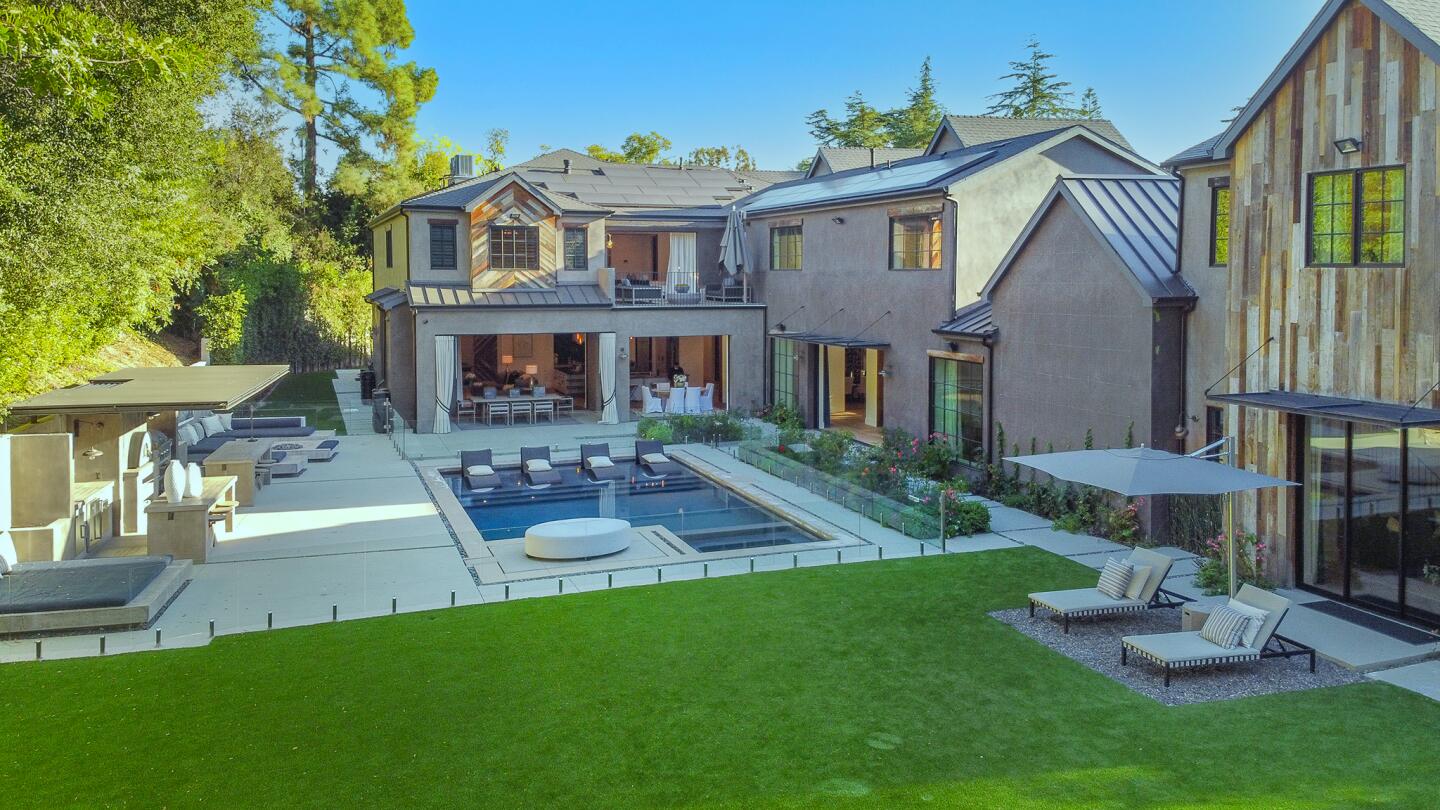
column 164, row 388
column 1357, row 410
column 972, row 320
column 563, row 295
column 387, row 298
column 1140, row 218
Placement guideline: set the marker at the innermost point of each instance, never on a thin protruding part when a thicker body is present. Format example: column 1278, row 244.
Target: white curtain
column 682, row 263
column 822, row 389
column 609, row 409
column 444, row 382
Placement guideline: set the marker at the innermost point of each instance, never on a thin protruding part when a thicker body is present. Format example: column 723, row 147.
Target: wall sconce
column 780, row 327
column 838, row 220
column 609, row 241
column 954, row 345
column 1348, row 146
column 93, row 453
column 886, row 372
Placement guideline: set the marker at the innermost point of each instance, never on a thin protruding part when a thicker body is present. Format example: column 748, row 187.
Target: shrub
column 935, row 458
column 1213, row 576
column 655, row 429
column 1123, row 525
column 829, row 448
column 966, row 518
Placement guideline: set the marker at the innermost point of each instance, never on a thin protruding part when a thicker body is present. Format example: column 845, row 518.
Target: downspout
column 989, row 343
column 1182, row 429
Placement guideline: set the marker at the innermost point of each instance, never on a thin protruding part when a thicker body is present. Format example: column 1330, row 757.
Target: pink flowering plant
column 1251, row 555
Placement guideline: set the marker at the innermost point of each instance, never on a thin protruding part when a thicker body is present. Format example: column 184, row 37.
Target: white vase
column 174, row 482
column 193, row 481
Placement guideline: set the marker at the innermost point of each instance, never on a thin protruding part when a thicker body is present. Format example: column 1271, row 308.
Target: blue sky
column 746, row 73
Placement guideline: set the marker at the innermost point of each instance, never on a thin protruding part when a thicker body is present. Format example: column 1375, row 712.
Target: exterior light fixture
column 1348, row 146
column 609, row 241
column 838, row 220
column 780, row 327
column 93, row 453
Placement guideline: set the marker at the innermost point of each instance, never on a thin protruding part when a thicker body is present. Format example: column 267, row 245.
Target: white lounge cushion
column 1115, row 578
column 226, row 419
column 1139, row 575
column 1081, row 600
column 1225, row 627
column 1257, row 619
column 537, row 465
column 599, row 462
column 212, row 425
column 480, row 470
column 9, row 557
column 1186, row 646
column 655, row 458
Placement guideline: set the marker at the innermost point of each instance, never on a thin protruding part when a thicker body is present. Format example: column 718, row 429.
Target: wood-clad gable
column 513, row 206
column 1368, row 332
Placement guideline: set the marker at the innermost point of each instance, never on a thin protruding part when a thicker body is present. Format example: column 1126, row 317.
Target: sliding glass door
column 1375, row 515
column 1422, row 526
column 1323, row 560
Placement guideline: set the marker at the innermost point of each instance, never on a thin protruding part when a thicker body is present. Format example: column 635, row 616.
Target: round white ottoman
column 577, row 538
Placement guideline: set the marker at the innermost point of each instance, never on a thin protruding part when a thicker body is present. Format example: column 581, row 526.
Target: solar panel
column 903, row 177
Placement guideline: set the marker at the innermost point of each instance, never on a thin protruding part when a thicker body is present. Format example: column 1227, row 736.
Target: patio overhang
column 166, row 388
column 1351, row 410
column 831, row 340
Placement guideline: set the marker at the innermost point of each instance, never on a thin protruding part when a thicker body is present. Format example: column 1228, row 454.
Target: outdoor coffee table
column 239, row 457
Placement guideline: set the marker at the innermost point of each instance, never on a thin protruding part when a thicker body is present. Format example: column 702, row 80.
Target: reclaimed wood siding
column 1367, row 332
column 514, row 206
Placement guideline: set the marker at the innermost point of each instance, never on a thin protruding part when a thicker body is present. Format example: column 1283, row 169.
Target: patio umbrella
column 1144, row 471
column 732, row 249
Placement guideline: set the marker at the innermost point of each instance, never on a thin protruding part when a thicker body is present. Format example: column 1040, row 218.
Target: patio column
column 445, row 355
column 609, row 408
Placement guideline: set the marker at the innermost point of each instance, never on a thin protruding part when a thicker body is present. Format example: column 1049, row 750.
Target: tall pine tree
column 863, row 125
column 914, row 124
column 1037, row 91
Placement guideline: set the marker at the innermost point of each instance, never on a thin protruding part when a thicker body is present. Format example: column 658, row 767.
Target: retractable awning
column 832, row 340
column 167, row 388
column 1351, row 410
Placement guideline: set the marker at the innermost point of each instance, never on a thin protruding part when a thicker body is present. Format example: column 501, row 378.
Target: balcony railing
column 683, row 295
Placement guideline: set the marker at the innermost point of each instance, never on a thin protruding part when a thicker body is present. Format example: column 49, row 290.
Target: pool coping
column 488, row 570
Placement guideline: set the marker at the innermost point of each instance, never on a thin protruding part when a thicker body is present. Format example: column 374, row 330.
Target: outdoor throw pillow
column 479, row 470
column 1139, row 575
column 1225, row 627
column 1115, row 578
column 1256, row 616
column 654, row 458
column 599, row 461
column 226, row 420
column 212, row 425
column 537, row 465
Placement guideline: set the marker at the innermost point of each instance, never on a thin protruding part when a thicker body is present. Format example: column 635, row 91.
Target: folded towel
column 480, row 470
column 655, row 458
column 599, row 461
column 537, row 465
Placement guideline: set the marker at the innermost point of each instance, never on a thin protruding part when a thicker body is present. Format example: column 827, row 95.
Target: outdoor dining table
column 524, row 400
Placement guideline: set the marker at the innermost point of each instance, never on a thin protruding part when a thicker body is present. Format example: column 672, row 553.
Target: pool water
column 707, row 517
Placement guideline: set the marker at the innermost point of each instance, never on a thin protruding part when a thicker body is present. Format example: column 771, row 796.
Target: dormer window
column 514, row 247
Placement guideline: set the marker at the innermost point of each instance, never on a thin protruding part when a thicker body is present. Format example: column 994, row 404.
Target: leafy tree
column 322, row 48
column 720, row 156
column 914, row 124
column 804, row 165
column 638, row 147
column 863, row 125
column 1037, row 92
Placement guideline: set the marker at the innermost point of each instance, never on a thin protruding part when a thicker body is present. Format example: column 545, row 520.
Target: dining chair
column 545, row 408
column 566, row 404
column 525, row 409
column 466, row 406
column 496, row 408
column 675, row 403
column 662, row 388
column 692, row 399
column 707, row 398
column 649, row 403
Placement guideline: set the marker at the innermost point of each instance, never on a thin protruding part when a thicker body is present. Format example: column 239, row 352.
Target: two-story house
column 556, row 273
column 1316, row 208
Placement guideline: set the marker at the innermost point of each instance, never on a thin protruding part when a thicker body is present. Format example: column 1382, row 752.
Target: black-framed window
column 442, row 245
column 514, row 247
column 577, row 253
column 915, row 242
column 1357, row 217
column 1220, row 225
column 786, row 247
column 782, row 371
column 389, row 249
column 957, row 404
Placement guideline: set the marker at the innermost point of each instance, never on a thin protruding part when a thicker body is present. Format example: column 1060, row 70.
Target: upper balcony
column 670, row 270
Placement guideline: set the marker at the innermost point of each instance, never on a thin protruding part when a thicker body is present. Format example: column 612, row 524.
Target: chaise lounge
column 1139, row 594
column 536, row 469
column 1220, row 642
column 650, row 455
column 478, row 470
column 595, row 459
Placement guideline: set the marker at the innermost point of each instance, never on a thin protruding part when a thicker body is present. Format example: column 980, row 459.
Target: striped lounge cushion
column 1115, row 578
column 1225, row 627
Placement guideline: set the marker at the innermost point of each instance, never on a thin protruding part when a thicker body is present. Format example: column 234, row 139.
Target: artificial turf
column 879, row 684
column 306, row 393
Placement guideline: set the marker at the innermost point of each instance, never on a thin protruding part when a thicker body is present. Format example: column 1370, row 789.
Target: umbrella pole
column 1230, row 521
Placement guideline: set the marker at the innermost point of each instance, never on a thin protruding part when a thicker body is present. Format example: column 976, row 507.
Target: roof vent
column 565, row 166
column 872, row 157
column 462, row 167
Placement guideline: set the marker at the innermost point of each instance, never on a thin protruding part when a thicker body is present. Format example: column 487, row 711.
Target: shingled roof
column 973, row 130
column 829, row 159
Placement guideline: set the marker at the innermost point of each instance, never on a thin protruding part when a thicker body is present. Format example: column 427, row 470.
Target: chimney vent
column 462, row 167
column 872, row 157
column 566, row 165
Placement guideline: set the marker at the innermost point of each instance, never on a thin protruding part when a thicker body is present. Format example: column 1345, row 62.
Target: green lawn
column 309, row 394
column 881, row 684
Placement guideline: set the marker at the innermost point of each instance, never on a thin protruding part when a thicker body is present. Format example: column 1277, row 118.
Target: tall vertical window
column 514, row 247
column 1357, row 217
column 389, row 249
column 786, row 245
column 957, row 405
column 1220, row 225
column 442, row 244
column 915, row 242
column 576, row 252
column 782, row 364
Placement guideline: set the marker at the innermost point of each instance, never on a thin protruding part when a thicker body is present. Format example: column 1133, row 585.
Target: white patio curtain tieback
column 444, row 382
column 609, row 410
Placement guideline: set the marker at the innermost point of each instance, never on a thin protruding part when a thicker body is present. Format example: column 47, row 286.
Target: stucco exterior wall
column 1205, row 350
column 846, row 288
column 399, row 361
column 419, row 244
column 397, row 271
column 744, row 324
column 1075, row 345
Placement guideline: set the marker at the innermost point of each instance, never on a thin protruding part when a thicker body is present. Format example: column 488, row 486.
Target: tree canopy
column 1036, row 91
column 638, row 147
column 909, row 125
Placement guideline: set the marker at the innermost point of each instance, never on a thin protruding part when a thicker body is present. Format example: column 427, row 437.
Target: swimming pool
column 705, row 516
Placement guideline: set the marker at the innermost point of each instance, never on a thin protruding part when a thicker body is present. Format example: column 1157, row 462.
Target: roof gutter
column 851, row 202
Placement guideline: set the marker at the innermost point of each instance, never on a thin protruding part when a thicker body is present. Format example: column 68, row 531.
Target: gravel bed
column 1096, row 644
